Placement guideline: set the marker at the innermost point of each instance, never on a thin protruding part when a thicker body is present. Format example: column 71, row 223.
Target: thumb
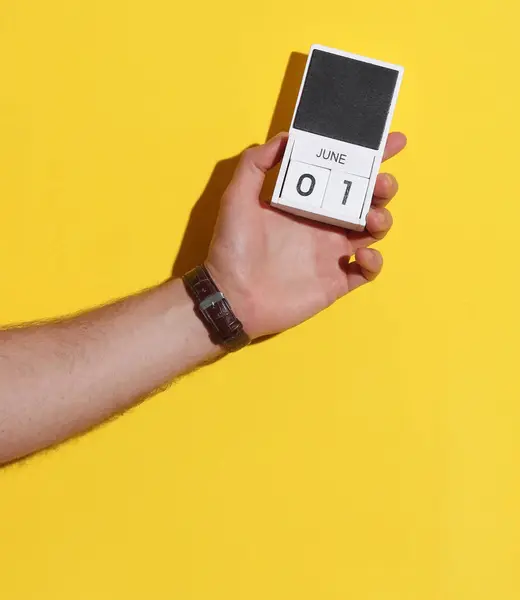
column 256, row 161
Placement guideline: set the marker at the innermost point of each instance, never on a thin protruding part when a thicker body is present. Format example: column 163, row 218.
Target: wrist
column 239, row 295
column 182, row 319
column 214, row 309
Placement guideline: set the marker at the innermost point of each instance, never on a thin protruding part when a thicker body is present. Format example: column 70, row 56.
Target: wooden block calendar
column 337, row 137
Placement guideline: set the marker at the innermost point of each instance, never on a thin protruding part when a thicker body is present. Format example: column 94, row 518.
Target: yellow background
column 372, row 453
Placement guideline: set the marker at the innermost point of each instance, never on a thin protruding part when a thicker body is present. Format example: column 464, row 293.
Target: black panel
column 346, row 99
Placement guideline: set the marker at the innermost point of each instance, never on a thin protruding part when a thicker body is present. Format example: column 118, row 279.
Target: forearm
column 61, row 378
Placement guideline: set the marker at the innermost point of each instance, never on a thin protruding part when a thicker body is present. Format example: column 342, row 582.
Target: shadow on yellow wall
column 197, row 237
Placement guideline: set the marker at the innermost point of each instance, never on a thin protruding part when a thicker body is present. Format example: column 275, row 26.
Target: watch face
column 346, row 99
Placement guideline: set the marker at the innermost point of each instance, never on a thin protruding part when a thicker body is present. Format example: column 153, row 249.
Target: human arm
column 60, row 378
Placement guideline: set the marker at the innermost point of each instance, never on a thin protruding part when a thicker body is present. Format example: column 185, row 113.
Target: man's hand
column 277, row 269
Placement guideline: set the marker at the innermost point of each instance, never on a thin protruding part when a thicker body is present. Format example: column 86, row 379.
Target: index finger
column 394, row 144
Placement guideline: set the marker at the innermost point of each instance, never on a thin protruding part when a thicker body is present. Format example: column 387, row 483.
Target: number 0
column 311, row 185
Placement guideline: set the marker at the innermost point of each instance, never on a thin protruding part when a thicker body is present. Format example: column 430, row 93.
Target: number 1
column 349, row 185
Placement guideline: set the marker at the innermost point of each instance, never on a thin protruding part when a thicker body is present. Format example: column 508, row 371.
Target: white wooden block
column 345, row 195
column 305, row 184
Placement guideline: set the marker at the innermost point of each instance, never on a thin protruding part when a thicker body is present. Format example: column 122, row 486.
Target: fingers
column 365, row 268
column 386, row 185
column 379, row 222
column 385, row 189
column 256, row 161
column 394, row 144
column 379, row 219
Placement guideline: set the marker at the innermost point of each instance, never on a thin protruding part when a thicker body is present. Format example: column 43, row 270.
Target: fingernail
column 376, row 256
column 280, row 134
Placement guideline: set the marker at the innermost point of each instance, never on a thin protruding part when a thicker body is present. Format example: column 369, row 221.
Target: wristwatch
column 214, row 310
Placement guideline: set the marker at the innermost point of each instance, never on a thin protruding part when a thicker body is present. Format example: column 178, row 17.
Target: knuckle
column 248, row 155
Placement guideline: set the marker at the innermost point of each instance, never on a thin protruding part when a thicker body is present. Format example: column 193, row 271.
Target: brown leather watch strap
column 214, row 309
